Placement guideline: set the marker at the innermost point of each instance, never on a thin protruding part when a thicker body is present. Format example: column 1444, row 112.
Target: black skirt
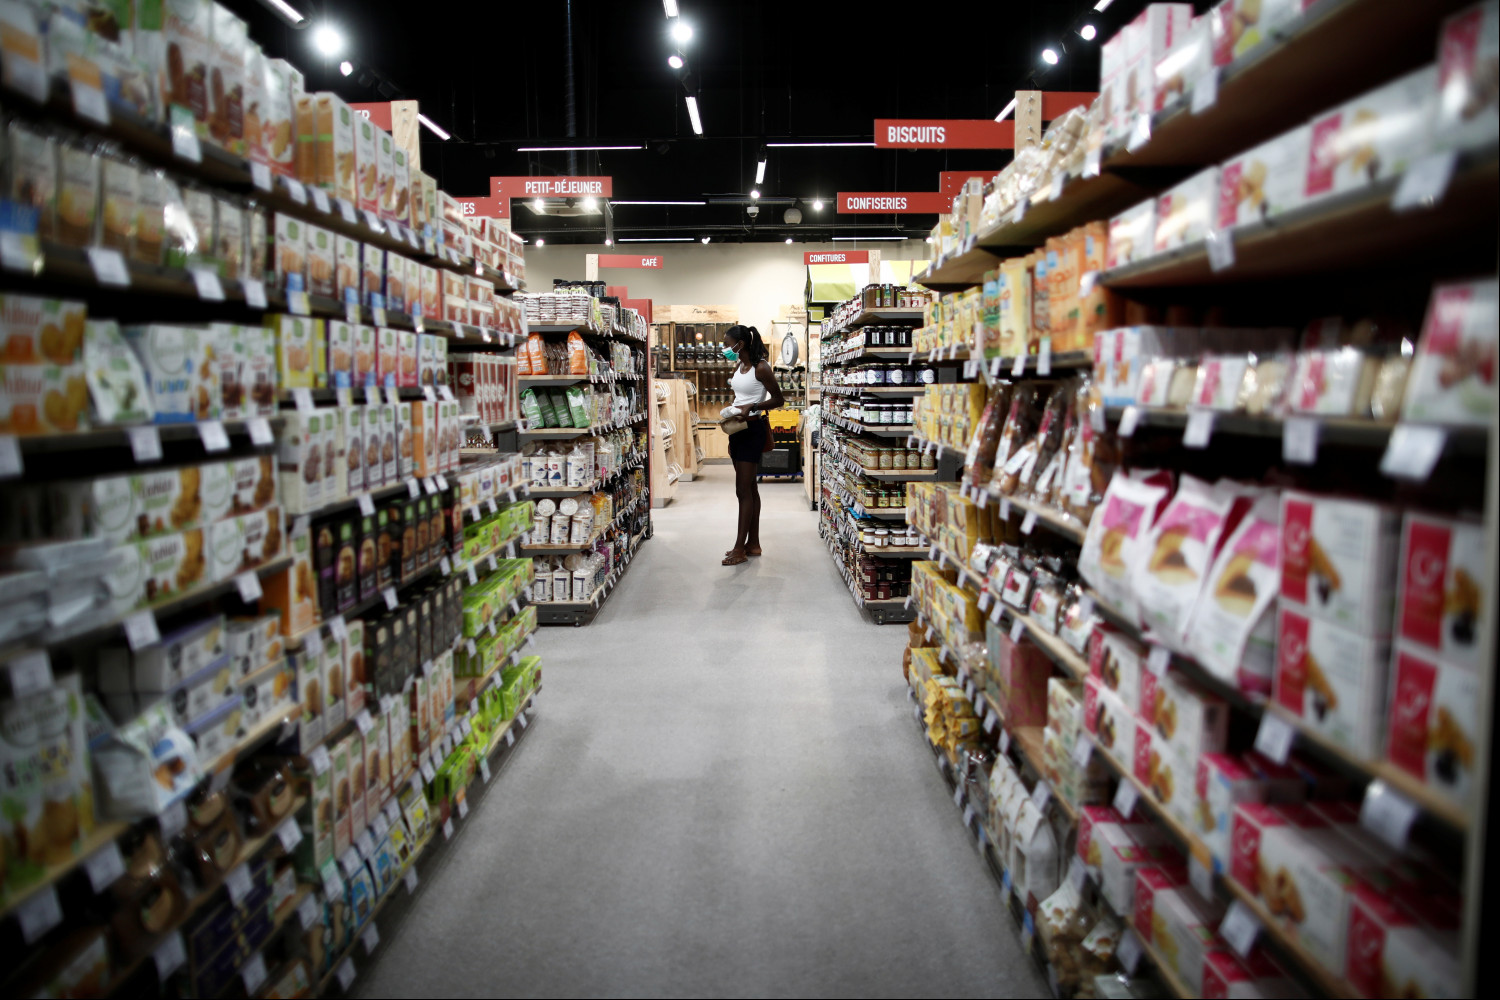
column 749, row 444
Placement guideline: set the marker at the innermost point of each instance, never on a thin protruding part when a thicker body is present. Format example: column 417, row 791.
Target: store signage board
column 969, row 133
column 378, row 112
column 655, row 261
column 836, row 257
column 894, row 202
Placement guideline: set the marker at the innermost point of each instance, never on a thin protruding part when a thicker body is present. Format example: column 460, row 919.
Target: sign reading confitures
column 836, row 257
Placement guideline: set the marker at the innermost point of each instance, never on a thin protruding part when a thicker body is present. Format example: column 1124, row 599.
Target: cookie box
column 1177, row 921
column 1433, row 720
column 1452, row 378
column 179, row 368
column 342, row 797
column 1186, row 213
column 217, row 733
column 289, row 260
column 1442, row 607
column 269, row 694
column 1225, row 631
column 1338, row 558
column 1375, row 136
column 46, row 781
column 300, row 458
column 1468, row 50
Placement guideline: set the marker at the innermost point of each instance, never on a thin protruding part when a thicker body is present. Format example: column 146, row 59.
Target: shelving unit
column 1344, row 254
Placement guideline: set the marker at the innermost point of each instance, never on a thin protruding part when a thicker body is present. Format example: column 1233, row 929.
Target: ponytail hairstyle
column 753, row 349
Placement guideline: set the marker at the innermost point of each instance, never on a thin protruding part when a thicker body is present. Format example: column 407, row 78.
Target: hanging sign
column 551, row 187
column 969, row 133
column 836, row 257
column 378, row 113
column 629, row 260
column 894, row 202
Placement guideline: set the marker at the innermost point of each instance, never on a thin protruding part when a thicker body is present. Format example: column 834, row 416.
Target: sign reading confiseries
column 894, row 202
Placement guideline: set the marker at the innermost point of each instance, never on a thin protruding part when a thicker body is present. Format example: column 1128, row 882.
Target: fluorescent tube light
column 692, row 105
column 286, row 10
column 656, row 239
column 432, row 127
column 571, row 149
column 613, row 202
column 1006, row 112
column 808, row 145
column 1103, row 4
column 856, row 239
column 670, row 6
column 760, row 172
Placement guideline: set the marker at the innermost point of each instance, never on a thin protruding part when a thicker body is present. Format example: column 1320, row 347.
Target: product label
column 1296, row 534
column 1291, row 660
column 1411, row 701
column 1324, row 160
column 1423, row 587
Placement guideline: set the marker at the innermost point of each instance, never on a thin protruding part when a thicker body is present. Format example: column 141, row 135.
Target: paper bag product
column 320, row 260
column 1117, row 661
column 1266, row 181
column 334, row 146
column 452, row 435
column 1237, row 592
column 278, row 136
column 335, row 678
column 335, row 475
column 431, row 298
column 1117, row 537
column 1178, row 550
column 290, row 260
column 351, row 428
column 343, row 798
column 385, row 168
column 372, row 275
column 367, row 172
column 300, row 459
column 1468, row 50
column 406, row 359
column 1337, row 558
column 225, row 83
column 374, row 464
column 405, row 446
column 1377, row 135
column 294, row 592
column 363, row 356
column 1443, row 608
column 33, row 172
column 179, row 370
column 307, row 661
column 395, row 282
column 423, row 417
column 229, row 348
column 388, row 444
column 346, row 268
column 340, row 373
column 1433, row 722
column 45, row 779
column 119, row 182
column 1109, row 721
column 1452, row 379
column 399, row 207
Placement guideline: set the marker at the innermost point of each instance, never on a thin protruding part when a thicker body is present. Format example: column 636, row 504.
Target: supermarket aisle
column 724, row 795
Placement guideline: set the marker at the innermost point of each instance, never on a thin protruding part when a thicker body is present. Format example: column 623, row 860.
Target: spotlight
column 1088, row 31
column 755, row 193
column 682, row 32
column 328, row 39
column 539, row 204
column 674, row 61
column 610, row 243
column 705, row 239
column 788, row 240
column 541, row 242
column 590, row 203
column 1049, row 56
column 346, row 67
column 817, row 204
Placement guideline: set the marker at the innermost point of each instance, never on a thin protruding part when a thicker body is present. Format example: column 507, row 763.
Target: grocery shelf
column 532, row 380
column 871, row 354
column 1343, row 232
column 582, row 612
column 869, row 316
column 1047, row 515
column 961, row 270
column 1350, row 431
column 119, row 436
column 873, row 390
column 908, row 475
column 1334, row 51
column 104, row 833
column 1031, row 363
column 860, row 427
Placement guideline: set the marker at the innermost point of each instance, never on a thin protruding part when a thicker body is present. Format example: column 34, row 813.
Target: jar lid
column 568, row 507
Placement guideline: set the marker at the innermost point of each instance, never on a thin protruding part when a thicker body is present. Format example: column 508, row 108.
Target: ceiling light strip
column 692, row 106
column 653, row 239
column 286, row 10
column 432, row 127
column 1006, row 113
column 571, row 149
column 670, row 6
column 613, row 202
column 858, row 238
column 810, row 145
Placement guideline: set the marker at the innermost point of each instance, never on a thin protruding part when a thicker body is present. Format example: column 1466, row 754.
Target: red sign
column 494, row 208
column 968, row 133
column 628, row 260
column 379, row 113
column 950, row 181
column 894, row 202
column 836, row 257
column 551, row 187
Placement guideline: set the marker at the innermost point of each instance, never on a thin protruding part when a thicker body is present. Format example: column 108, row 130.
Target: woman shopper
column 755, row 394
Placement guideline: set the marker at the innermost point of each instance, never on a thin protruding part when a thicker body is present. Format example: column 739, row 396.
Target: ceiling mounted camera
column 752, row 210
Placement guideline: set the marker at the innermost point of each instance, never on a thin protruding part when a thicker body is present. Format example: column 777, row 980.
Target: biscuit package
column 1117, row 538
column 1332, row 679
column 1442, row 605
column 1178, row 550
column 1225, row 631
column 1452, row 378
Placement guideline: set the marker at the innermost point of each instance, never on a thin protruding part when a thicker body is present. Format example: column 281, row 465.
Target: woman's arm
column 774, row 400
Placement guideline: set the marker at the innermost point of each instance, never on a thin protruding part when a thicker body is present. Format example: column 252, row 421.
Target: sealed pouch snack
column 1236, row 594
column 1036, row 480
column 1179, row 549
column 578, row 355
column 530, row 408
column 116, row 381
column 980, row 460
column 1116, row 539
column 120, row 183
column 32, row 174
column 77, row 195
column 1020, row 427
column 578, row 406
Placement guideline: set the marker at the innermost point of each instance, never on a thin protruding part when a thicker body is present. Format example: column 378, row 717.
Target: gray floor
column 724, row 795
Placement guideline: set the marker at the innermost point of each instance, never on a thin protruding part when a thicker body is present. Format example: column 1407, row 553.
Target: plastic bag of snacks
column 578, row 355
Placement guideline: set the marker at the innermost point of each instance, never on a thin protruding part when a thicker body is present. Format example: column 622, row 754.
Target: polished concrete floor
column 724, row 794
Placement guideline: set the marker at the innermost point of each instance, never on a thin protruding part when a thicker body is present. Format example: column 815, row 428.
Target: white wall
column 756, row 277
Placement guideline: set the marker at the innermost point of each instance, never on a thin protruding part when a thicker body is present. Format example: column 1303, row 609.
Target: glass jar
column 897, row 376
column 869, row 536
column 929, row 461
column 882, row 537
column 875, row 375
column 898, row 460
column 927, row 375
column 885, row 460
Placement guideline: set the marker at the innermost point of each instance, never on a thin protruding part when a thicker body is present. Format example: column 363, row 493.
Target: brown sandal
column 733, row 558
column 754, row 551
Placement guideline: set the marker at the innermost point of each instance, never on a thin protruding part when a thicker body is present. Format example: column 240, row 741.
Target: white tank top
column 748, row 389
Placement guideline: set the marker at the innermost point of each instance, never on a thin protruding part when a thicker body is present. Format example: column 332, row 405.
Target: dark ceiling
column 494, row 75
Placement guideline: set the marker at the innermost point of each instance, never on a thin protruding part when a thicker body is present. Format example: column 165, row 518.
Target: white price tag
column 373, row 221
column 10, row 457
column 141, row 630
column 431, row 488
column 494, row 508
column 351, row 862
column 1017, row 629
column 1018, row 368
column 414, row 490
column 210, row 288
column 473, row 576
column 365, row 843
column 1425, row 182
column 289, row 834
column 237, row 883
column 339, row 628
column 333, row 885
column 211, row 432
column 1126, row 796
column 364, row 722
column 1128, row 420
column 1299, row 440
column 991, row 720
column 1202, row 878
column 1129, row 951
column 372, row 395
column 296, row 189
column 370, row 938
column 345, row 974
column 448, row 829
column 1005, row 509
column 523, row 719
column 1158, row 660
column 389, row 594
column 1041, row 795
column 985, row 600
column 1205, row 91
column 104, row 866
column 1028, row 523
column 1387, row 814
column 471, row 648
column 1274, row 737
column 1240, row 928
column 1091, row 163
column 169, row 956
column 366, row 505
column 248, row 584
column 958, row 795
column 442, row 481
column 1056, row 190
column 320, row 199
column 1083, row 749
column 297, row 302
column 172, row 820
column 255, row 292
column 510, row 737
column 411, row 881
column 1019, row 213
column 1413, row 451
column 995, row 613
column 1005, row 741
column 260, row 176
column 428, row 774
column 30, row 673
column 1140, row 133
column 308, row 911
column 302, row 396
column 88, row 102
column 1044, row 357
column 109, row 267
column 1220, row 246
column 346, row 210
column 429, row 394
column 1200, row 427
column 319, row 760
column 463, row 809
column 969, row 815
column 145, row 443
column 185, row 143
column 1077, row 873
column 1086, row 283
